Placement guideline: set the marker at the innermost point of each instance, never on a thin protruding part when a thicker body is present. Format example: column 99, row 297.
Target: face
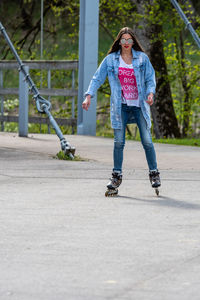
column 126, row 41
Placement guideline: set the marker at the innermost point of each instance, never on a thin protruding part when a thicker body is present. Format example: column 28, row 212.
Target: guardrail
column 48, row 65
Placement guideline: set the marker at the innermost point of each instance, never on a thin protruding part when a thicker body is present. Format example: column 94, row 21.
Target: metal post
column 88, row 58
column 73, row 99
column 49, row 97
column 188, row 24
column 2, row 99
column 23, row 104
column 42, row 25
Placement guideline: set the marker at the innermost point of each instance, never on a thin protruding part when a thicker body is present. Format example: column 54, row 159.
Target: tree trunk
column 186, row 88
column 196, row 6
column 163, row 114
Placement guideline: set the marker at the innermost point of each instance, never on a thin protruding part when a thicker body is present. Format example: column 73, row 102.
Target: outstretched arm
column 150, row 81
column 150, row 99
column 97, row 80
column 86, row 102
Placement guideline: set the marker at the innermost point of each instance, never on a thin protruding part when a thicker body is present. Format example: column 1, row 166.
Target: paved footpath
column 62, row 239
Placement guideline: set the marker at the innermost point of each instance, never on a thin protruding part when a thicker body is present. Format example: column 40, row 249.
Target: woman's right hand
column 86, row 102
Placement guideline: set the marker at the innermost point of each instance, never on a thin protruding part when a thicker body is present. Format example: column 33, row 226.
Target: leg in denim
column 119, row 141
column 146, row 139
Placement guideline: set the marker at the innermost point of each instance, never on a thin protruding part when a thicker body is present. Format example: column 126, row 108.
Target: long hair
column 116, row 46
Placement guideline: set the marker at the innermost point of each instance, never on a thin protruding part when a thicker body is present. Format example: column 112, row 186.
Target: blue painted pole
column 23, row 104
column 2, row 99
column 88, row 61
column 42, row 31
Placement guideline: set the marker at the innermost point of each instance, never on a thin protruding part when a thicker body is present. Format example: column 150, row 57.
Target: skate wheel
column 107, row 193
column 116, row 192
column 111, row 193
column 157, row 191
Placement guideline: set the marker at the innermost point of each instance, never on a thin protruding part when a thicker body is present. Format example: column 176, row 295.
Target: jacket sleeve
column 98, row 78
column 150, row 80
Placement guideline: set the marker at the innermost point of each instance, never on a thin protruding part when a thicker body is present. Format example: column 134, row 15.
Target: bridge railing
column 48, row 65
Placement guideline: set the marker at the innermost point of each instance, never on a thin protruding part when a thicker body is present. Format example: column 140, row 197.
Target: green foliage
column 10, row 127
column 184, row 142
column 62, row 156
column 10, row 105
column 184, row 76
column 61, row 29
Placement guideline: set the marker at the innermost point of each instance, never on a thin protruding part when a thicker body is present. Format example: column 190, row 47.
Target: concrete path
column 61, row 239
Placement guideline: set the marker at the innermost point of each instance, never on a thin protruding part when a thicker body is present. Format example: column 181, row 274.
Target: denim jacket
column 145, row 77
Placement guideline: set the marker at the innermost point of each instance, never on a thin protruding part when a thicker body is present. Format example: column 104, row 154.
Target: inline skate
column 114, row 183
column 155, row 180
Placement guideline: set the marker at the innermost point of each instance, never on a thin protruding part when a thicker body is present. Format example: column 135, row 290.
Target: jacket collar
column 134, row 52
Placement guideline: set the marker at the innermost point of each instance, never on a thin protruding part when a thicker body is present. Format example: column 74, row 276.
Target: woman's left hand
column 150, row 99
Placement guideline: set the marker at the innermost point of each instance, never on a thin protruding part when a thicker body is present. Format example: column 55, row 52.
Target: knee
column 119, row 144
column 148, row 145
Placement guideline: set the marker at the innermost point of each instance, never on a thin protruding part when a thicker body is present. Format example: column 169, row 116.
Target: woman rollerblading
column 132, row 81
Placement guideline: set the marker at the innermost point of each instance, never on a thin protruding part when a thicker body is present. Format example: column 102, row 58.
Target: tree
column 158, row 26
column 24, row 29
column 150, row 32
column 180, row 55
column 196, row 6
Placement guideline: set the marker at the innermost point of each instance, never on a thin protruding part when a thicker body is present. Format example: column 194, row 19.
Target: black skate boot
column 155, row 180
column 113, row 184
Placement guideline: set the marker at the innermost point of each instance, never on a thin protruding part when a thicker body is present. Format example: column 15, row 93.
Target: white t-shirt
column 128, row 83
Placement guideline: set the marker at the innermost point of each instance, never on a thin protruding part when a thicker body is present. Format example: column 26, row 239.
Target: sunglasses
column 129, row 41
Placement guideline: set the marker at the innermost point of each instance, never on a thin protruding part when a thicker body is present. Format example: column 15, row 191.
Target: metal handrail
column 187, row 22
column 43, row 105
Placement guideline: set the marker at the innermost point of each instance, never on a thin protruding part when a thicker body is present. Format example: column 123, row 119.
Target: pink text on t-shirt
column 128, row 83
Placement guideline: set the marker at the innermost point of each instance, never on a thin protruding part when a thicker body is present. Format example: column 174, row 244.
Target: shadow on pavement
column 165, row 201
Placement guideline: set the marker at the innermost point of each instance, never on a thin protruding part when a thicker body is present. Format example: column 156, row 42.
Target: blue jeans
column 132, row 114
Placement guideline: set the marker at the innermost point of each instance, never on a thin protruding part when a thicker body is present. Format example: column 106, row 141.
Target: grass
column 62, row 156
column 174, row 141
column 108, row 133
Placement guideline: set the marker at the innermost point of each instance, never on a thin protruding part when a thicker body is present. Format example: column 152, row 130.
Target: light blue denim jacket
column 146, row 83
